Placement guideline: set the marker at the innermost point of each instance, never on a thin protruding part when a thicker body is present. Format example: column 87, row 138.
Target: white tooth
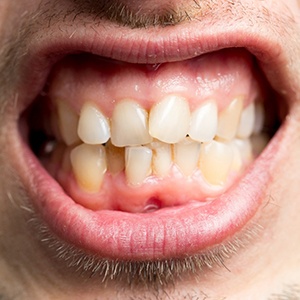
column 129, row 125
column 93, row 127
column 246, row 125
column 186, row 154
column 115, row 158
column 215, row 162
column 89, row 166
column 229, row 119
column 259, row 142
column 259, row 118
column 237, row 161
column 138, row 164
column 169, row 119
column 204, row 122
column 245, row 149
column 68, row 122
column 162, row 158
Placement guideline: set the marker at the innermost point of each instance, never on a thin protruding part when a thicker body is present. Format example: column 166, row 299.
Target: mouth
column 135, row 158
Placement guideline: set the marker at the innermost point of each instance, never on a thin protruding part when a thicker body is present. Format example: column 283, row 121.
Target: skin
column 267, row 267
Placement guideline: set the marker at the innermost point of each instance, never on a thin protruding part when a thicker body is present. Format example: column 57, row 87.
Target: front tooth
column 186, row 156
column 115, row 158
column 246, row 125
column 89, row 166
column 259, row 118
column 229, row 119
column 68, row 122
column 129, row 125
column 93, row 127
column 169, row 119
column 204, row 122
column 162, row 158
column 137, row 164
column 215, row 162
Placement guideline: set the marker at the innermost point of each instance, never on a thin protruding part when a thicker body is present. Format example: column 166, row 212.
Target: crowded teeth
column 246, row 122
column 229, row 119
column 137, row 164
column 169, row 119
column 115, row 158
column 93, row 127
column 162, row 158
column 215, row 162
column 129, row 125
column 89, row 166
column 186, row 155
column 67, row 120
column 204, row 122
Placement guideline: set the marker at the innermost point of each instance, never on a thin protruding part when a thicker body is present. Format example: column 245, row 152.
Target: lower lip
column 166, row 233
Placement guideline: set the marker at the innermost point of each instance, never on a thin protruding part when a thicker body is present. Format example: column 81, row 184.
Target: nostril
column 152, row 205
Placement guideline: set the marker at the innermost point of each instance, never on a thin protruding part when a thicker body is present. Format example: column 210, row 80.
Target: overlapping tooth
column 259, row 118
column 68, row 121
column 129, row 125
column 229, row 119
column 215, row 162
column 186, row 156
column 93, row 127
column 246, row 125
column 115, row 158
column 204, row 122
column 89, row 166
column 137, row 164
column 169, row 119
column 162, row 158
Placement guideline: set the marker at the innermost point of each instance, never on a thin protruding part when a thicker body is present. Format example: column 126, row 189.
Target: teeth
column 204, row 122
column 93, row 127
column 138, row 164
column 89, row 166
column 68, row 121
column 259, row 142
column 215, row 162
column 186, row 155
column 229, row 119
column 259, row 118
column 246, row 125
column 169, row 119
column 245, row 149
column 115, row 158
column 162, row 158
column 129, row 125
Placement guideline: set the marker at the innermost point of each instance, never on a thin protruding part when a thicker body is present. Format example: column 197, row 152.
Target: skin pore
column 260, row 261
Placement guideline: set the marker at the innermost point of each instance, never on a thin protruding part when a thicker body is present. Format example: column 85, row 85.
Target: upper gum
column 82, row 84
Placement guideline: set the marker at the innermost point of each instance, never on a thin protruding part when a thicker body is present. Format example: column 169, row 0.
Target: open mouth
column 140, row 162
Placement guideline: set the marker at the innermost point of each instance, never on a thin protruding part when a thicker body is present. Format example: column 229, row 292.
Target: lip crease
column 168, row 232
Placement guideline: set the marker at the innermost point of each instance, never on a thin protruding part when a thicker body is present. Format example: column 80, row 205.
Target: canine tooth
column 89, row 166
column 215, row 162
column 115, row 158
column 162, row 158
column 204, row 122
column 169, row 119
column 137, row 164
column 246, row 125
column 93, row 127
column 229, row 119
column 186, row 154
column 129, row 125
column 259, row 118
column 68, row 121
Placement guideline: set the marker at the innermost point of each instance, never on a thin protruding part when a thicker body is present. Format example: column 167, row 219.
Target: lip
column 169, row 232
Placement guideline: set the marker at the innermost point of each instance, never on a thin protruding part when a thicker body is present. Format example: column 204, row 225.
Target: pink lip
column 169, row 232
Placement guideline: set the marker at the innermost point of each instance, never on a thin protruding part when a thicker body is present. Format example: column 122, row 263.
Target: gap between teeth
column 142, row 143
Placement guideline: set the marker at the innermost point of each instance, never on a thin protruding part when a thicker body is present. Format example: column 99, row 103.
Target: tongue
column 127, row 171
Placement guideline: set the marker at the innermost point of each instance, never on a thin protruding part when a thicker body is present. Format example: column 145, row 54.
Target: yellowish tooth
column 68, row 122
column 186, row 156
column 115, row 158
column 162, row 158
column 89, row 166
column 245, row 148
column 93, row 127
column 204, row 122
column 137, row 164
column 169, row 119
column 237, row 161
column 246, row 124
column 259, row 118
column 129, row 125
column 215, row 162
column 229, row 119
